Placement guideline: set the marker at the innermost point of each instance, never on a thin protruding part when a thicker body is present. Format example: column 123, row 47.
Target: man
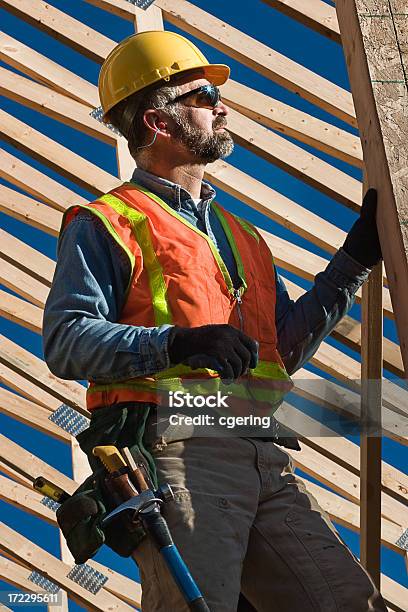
column 156, row 286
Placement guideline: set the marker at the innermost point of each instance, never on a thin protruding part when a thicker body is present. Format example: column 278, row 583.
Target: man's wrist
column 346, row 272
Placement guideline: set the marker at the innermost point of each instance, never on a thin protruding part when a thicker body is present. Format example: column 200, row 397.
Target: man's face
column 199, row 127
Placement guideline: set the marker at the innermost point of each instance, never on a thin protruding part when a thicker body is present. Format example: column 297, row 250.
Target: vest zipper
column 237, row 295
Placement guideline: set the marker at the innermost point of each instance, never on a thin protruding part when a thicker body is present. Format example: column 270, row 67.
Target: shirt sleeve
column 303, row 324
column 81, row 336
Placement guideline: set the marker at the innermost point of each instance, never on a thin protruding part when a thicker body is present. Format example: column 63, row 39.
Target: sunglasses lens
column 209, row 95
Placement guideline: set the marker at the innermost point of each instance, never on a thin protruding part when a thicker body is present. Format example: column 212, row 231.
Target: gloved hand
column 79, row 519
column 222, row 348
column 362, row 241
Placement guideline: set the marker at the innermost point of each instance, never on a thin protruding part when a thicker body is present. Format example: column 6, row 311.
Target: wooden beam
column 292, row 122
column 17, row 575
column 117, row 584
column 44, row 149
column 347, row 514
column 61, row 26
column 295, row 160
column 27, row 259
column 395, row 594
column 36, row 183
column 27, row 389
column 348, row 331
column 379, row 85
column 31, row 414
column 371, row 417
column 55, row 570
column 336, row 363
column 20, row 312
column 341, row 450
column 28, row 210
column 30, row 466
column 42, row 69
column 345, row 402
column 314, row 14
column 150, row 19
column 259, row 57
column 53, row 104
column 126, row 163
column 35, row 370
column 344, row 482
column 25, row 499
column 23, row 284
column 14, row 474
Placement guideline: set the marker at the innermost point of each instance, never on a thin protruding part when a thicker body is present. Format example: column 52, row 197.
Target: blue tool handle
column 183, row 578
column 155, row 524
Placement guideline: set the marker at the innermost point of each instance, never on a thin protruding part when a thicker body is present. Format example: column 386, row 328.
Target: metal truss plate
column 50, row 503
column 97, row 114
column 143, row 4
column 87, row 577
column 69, row 419
column 43, row 582
column 402, row 541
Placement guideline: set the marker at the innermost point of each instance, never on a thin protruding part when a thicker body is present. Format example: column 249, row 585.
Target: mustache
column 219, row 122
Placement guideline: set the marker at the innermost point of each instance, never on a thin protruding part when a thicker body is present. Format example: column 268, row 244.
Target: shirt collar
column 173, row 193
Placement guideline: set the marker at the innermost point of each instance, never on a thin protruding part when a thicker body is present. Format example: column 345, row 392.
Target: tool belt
column 121, row 425
column 84, row 534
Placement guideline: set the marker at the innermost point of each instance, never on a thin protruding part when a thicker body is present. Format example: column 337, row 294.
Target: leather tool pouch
column 122, row 426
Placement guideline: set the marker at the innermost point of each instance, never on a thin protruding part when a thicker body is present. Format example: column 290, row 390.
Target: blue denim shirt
column 81, row 336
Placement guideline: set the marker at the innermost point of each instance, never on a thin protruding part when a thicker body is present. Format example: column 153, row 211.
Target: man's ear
column 153, row 122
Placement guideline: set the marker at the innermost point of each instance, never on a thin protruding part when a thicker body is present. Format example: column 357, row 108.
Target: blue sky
column 268, row 26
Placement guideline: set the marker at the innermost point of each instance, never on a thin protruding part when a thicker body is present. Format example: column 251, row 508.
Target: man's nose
column 221, row 109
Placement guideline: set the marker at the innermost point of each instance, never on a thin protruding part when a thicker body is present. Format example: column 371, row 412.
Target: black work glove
column 80, row 521
column 222, row 348
column 362, row 241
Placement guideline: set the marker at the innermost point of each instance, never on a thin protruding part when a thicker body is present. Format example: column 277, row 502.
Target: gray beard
column 206, row 148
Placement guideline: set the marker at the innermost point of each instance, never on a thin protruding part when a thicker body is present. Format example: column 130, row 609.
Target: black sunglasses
column 206, row 95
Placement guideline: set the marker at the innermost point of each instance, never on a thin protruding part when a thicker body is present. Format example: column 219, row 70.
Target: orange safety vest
column 178, row 277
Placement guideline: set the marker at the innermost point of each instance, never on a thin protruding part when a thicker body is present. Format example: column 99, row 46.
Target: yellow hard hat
column 148, row 57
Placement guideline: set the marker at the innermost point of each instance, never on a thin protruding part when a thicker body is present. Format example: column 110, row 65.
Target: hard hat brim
column 217, row 74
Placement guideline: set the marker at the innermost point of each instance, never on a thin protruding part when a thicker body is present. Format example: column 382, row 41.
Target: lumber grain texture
column 374, row 34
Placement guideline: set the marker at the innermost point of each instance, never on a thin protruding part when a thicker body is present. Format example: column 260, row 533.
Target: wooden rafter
column 375, row 40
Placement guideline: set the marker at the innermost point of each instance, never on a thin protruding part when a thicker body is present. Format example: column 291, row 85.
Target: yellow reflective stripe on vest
column 270, row 370
column 247, row 227
column 183, row 378
column 233, row 244
column 139, row 224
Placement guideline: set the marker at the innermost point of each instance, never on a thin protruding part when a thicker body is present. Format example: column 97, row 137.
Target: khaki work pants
column 243, row 522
